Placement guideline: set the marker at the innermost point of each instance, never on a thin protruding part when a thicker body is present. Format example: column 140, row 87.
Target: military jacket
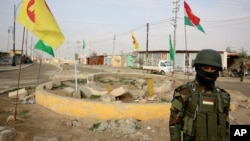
column 199, row 113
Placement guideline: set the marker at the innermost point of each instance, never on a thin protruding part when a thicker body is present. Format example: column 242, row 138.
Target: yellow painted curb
column 233, row 107
column 100, row 110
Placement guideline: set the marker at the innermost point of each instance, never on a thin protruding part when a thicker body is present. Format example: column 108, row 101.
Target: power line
column 134, row 29
column 226, row 22
column 210, row 24
column 230, row 20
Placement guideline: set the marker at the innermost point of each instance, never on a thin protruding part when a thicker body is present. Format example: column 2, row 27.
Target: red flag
column 191, row 19
column 194, row 19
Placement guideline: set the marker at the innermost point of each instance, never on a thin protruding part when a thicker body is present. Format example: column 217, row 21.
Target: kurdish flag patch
column 208, row 102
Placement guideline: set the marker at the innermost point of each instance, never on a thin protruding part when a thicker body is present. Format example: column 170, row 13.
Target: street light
column 14, row 34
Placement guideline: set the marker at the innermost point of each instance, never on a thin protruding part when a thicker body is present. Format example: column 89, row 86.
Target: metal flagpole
column 39, row 71
column 186, row 56
column 76, row 56
column 75, row 74
column 19, row 76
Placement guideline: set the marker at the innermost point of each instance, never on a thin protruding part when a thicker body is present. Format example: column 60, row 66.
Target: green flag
column 171, row 49
column 83, row 44
column 41, row 46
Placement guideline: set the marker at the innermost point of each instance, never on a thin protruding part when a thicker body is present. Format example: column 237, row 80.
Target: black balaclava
column 201, row 76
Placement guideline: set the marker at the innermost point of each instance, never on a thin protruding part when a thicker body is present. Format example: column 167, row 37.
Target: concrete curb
column 100, row 110
column 13, row 88
column 17, row 67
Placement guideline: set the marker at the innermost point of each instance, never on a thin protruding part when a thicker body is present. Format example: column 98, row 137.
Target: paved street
column 236, row 85
column 29, row 76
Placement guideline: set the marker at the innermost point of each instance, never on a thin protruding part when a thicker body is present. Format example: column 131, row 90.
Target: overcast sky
column 226, row 23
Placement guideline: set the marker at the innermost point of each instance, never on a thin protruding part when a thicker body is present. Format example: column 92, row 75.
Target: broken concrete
column 47, row 138
column 119, row 91
column 21, row 94
column 7, row 134
column 48, row 85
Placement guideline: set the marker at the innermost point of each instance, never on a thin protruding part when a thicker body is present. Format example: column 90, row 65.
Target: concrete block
column 77, row 94
column 44, row 138
column 8, row 134
column 118, row 91
column 48, row 85
column 2, row 128
column 57, row 82
column 69, row 90
column 85, row 92
column 21, row 94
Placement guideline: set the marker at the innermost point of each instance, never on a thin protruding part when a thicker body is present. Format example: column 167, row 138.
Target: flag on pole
column 83, row 44
column 36, row 16
column 41, row 46
column 135, row 43
column 171, row 49
column 191, row 19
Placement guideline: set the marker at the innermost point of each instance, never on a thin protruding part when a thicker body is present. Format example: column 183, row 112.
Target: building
column 5, row 58
column 183, row 59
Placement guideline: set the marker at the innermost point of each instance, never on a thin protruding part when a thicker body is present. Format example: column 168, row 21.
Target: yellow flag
column 136, row 44
column 36, row 16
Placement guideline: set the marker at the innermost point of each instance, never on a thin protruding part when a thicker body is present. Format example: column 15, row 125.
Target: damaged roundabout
column 120, row 102
column 109, row 96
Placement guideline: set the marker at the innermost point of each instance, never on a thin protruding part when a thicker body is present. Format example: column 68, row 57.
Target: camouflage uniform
column 200, row 112
column 242, row 71
column 180, row 104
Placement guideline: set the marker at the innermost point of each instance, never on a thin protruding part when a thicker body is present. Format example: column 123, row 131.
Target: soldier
column 199, row 109
column 242, row 71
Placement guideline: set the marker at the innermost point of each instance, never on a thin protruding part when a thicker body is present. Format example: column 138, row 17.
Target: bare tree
column 242, row 55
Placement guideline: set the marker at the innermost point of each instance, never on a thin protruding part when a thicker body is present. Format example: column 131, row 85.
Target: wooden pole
column 147, row 44
column 19, row 75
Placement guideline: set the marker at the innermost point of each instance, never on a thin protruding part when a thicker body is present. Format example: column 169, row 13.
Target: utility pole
column 147, row 43
column 90, row 56
column 113, row 50
column 31, row 50
column 175, row 11
column 113, row 46
column 14, row 40
column 26, row 43
column 14, row 34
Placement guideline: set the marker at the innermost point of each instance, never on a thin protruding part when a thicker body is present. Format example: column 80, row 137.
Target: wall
column 100, row 110
column 116, row 61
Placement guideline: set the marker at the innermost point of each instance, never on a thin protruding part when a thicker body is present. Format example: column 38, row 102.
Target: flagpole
column 75, row 72
column 19, row 76
column 75, row 76
column 147, row 45
column 39, row 71
column 186, row 57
